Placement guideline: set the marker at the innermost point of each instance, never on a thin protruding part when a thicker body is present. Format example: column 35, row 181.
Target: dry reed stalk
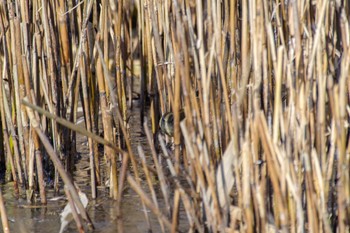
column 319, row 183
column 52, row 85
column 158, row 60
column 191, row 212
column 246, row 190
column 245, row 52
column 14, row 139
column 74, row 210
column 117, row 119
column 311, row 210
column 175, row 214
column 151, row 83
column 30, row 167
column 149, row 181
column 278, row 97
column 10, row 156
column 185, row 198
column 93, row 96
column 120, row 66
column 293, row 156
column 88, row 122
column 201, row 163
column 34, row 137
column 148, row 202
column 343, row 193
column 176, row 111
column 143, row 88
column 65, row 41
column 107, row 123
column 21, row 118
column 160, row 173
column 270, row 155
column 122, row 178
column 83, row 21
column 4, row 220
column 40, row 170
column 17, row 71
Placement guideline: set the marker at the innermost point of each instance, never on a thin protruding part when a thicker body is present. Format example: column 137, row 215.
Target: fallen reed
column 264, row 86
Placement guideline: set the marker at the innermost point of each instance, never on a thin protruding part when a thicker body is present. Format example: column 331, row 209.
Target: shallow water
column 27, row 218
column 30, row 218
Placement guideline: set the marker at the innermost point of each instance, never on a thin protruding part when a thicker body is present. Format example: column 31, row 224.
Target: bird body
column 166, row 123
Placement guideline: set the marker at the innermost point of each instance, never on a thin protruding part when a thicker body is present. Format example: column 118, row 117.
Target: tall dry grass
column 264, row 86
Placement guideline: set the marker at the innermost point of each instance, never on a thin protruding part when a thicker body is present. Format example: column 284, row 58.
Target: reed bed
column 264, row 86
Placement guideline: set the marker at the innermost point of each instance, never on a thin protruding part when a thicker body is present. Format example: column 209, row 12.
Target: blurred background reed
column 264, row 87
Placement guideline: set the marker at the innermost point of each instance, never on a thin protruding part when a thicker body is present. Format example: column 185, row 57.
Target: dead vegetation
column 264, row 86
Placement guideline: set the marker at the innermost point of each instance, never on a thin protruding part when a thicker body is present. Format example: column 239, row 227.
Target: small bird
column 166, row 123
